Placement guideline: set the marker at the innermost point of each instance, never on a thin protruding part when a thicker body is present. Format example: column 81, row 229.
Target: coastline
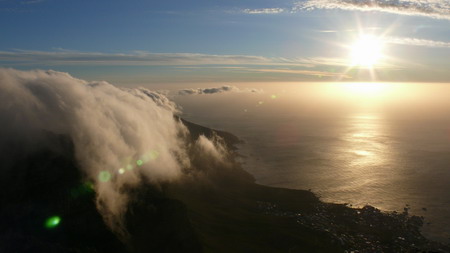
column 364, row 229
column 216, row 208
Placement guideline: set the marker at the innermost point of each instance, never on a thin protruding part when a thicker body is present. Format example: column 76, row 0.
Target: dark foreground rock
column 216, row 208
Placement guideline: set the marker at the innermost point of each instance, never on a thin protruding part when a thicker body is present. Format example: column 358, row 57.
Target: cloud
column 325, row 61
column 215, row 148
column 158, row 97
column 264, row 11
column 416, row 42
column 439, row 9
column 67, row 57
column 349, row 30
column 136, row 58
column 19, row 6
column 310, row 66
column 303, row 72
column 32, row 1
column 121, row 137
column 214, row 90
column 237, row 63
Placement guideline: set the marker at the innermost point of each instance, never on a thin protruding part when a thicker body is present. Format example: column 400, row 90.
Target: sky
column 137, row 42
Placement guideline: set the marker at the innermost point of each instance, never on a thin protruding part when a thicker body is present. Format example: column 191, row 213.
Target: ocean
column 380, row 144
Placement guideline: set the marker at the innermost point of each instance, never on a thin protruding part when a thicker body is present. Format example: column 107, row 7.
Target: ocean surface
column 380, row 144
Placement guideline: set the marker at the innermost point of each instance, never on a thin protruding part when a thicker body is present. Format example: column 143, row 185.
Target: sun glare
column 364, row 91
column 367, row 90
column 366, row 51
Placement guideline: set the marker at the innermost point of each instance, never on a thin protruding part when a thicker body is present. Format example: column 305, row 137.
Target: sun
column 366, row 51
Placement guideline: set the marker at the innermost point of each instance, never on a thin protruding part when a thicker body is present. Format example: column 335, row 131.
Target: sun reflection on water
column 364, row 140
column 362, row 152
column 364, row 159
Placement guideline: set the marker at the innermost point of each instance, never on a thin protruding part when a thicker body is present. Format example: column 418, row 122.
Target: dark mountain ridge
column 215, row 207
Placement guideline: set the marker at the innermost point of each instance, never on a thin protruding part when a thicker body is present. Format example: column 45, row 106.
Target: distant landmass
column 216, row 209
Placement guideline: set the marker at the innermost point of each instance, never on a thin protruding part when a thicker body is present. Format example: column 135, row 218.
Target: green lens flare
column 104, row 176
column 89, row 186
column 153, row 154
column 82, row 189
column 52, row 222
column 139, row 162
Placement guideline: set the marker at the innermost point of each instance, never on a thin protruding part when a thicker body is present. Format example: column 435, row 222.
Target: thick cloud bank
column 120, row 136
column 214, row 90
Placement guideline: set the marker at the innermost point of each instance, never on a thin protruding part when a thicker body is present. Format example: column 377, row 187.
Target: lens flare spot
column 139, row 162
column 153, row 154
column 104, row 176
column 273, row 96
column 89, row 185
column 52, row 222
column 121, row 171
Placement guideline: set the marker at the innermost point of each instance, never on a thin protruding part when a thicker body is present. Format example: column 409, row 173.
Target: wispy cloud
column 310, row 66
column 349, row 30
column 264, row 11
column 309, row 62
column 142, row 58
column 325, row 61
column 303, row 72
column 211, row 67
column 316, row 62
column 416, row 42
column 32, row 1
column 439, row 9
column 235, row 63
column 19, row 6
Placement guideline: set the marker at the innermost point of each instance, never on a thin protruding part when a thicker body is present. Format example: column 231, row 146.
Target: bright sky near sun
column 138, row 42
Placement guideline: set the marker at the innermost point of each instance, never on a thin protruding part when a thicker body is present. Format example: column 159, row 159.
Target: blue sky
column 138, row 42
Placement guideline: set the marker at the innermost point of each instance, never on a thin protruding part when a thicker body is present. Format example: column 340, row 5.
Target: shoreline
column 215, row 208
column 419, row 220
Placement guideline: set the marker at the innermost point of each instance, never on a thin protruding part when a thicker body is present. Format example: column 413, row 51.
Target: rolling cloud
column 121, row 137
column 439, row 9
